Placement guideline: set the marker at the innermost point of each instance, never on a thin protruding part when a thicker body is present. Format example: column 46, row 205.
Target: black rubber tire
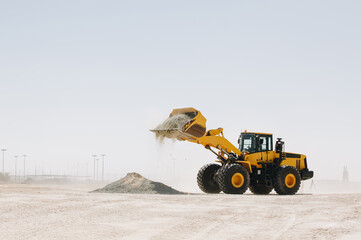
column 206, row 178
column 225, row 179
column 279, row 182
column 260, row 189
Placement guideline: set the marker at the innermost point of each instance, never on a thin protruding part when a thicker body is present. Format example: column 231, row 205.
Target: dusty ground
column 70, row 212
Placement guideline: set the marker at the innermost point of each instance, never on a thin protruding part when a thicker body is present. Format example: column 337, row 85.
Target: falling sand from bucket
column 171, row 126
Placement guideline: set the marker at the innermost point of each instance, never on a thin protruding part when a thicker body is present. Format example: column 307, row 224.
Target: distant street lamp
column 103, row 155
column 94, row 156
column 16, row 160
column 3, row 150
column 24, row 165
column 97, row 169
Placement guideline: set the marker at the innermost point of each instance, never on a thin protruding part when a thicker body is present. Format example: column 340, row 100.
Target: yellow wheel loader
column 255, row 164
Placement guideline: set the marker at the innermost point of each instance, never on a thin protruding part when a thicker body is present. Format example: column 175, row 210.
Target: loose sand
column 135, row 183
column 170, row 127
column 174, row 122
column 44, row 212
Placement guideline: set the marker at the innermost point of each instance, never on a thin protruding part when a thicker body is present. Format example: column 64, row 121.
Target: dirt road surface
column 70, row 212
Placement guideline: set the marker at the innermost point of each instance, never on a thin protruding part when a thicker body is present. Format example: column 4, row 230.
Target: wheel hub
column 237, row 180
column 290, row 180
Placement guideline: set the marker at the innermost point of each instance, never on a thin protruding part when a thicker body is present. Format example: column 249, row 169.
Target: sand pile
column 169, row 127
column 135, row 183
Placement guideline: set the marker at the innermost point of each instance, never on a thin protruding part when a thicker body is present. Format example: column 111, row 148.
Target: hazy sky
column 90, row 77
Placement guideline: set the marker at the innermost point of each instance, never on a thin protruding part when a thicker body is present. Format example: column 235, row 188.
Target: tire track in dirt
column 290, row 220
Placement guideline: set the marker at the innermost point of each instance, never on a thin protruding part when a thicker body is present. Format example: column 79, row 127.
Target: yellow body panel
column 255, row 158
column 298, row 163
column 270, row 156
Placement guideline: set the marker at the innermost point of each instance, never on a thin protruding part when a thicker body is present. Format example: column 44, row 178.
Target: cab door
column 258, row 147
column 265, row 148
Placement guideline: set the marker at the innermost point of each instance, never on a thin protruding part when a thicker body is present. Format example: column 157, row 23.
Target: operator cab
column 255, row 142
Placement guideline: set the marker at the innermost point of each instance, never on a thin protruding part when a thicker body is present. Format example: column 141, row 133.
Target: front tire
column 287, row 180
column 233, row 179
column 206, row 178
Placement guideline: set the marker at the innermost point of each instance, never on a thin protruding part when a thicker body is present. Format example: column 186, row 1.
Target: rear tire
column 233, row 179
column 206, row 178
column 287, row 180
column 260, row 189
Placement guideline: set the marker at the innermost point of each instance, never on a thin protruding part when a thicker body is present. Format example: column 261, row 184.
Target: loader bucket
column 196, row 126
column 183, row 123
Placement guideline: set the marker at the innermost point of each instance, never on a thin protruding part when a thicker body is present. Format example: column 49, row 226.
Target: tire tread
column 201, row 176
column 278, row 185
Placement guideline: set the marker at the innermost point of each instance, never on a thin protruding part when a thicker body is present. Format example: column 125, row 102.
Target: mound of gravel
column 136, row 183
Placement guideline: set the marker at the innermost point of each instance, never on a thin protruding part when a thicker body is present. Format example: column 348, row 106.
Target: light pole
column 3, row 150
column 24, row 165
column 94, row 156
column 16, row 159
column 97, row 169
column 103, row 155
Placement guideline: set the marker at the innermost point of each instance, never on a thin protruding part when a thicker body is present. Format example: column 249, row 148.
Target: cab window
column 266, row 143
column 247, row 143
